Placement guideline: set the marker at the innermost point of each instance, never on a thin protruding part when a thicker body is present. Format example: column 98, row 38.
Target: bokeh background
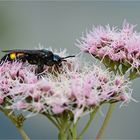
column 58, row 24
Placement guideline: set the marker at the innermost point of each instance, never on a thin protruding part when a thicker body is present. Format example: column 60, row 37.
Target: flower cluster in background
column 76, row 87
column 119, row 45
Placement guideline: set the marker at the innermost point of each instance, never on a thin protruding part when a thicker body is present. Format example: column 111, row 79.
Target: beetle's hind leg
column 4, row 59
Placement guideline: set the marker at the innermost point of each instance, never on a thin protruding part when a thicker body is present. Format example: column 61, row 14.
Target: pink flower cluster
column 77, row 88
column 120, row 45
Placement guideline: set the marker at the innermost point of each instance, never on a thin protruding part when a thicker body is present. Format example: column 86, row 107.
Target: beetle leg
column 39, row 68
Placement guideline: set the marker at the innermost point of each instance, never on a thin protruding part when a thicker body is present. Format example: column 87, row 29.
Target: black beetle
column 35, row 57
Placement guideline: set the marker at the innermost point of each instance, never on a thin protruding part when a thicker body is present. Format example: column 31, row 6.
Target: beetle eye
column 57, row 58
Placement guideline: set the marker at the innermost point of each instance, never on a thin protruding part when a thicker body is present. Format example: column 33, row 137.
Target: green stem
column 69, row 134
column 106, row 120
column 61, row 135
column 74, row 132
column 92, row 115
column 68, row 127
column 15, row 122
column 64, row 126
column 58, row 121
column 23, row 134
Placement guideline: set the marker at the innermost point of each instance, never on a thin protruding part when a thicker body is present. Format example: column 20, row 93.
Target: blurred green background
column 58, row 24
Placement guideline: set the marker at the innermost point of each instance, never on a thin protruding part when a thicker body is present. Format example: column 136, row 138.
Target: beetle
column 34, row 57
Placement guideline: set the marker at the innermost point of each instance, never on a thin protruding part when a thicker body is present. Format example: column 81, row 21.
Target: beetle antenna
column 67, row 57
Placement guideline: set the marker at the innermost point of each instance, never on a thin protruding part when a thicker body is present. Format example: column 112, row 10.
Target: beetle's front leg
column 39, row 69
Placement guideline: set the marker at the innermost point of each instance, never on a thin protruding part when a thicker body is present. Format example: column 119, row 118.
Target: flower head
column 112, row 44
column 76, row 87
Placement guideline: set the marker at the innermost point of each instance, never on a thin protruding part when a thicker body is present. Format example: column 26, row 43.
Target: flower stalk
column 105, row 122
column 91, row 117
column 14, row 120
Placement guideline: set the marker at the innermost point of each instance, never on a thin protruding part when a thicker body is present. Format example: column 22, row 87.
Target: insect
column 35, row 57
